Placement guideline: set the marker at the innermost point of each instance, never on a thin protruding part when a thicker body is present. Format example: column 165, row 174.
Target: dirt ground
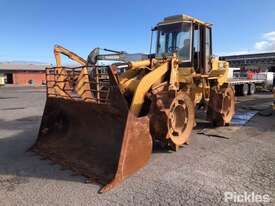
column 240, row 159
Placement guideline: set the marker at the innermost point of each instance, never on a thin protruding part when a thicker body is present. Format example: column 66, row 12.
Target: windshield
column 175, row 38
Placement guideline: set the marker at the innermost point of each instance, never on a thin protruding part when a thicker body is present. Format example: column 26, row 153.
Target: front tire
column 172, row 118
column 181, row 119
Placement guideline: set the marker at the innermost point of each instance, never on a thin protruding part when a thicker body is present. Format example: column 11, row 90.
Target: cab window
column 175, row 38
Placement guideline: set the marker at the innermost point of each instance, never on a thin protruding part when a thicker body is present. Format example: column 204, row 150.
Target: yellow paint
column 144, row 86
column 2, row 80
column 174, row 83
column 219, row 71
column 139, row 64
column 182, row 18
column 185, row 75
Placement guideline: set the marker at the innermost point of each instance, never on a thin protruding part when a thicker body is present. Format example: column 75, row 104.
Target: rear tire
column 252, row 89
column 244, row 89
column 221, row 106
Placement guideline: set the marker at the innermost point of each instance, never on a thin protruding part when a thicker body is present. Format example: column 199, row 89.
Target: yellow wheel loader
column 101, row 121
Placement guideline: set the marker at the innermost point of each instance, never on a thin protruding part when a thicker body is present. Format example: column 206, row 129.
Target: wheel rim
column 172, row 118
column 181, row 119
column 228, row 105
column 178, row 118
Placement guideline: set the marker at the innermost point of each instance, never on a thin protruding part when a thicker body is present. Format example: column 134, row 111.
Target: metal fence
column 84, row 83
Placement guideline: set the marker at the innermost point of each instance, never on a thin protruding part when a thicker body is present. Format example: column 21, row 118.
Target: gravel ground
column 198, row 174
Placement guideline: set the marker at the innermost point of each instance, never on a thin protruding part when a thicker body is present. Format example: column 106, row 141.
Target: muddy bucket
column 103, row 142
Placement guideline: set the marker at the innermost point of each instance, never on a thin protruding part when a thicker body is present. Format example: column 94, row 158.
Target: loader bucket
column 98, row 139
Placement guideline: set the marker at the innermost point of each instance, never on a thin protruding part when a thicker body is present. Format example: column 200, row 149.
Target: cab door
column 206, row 48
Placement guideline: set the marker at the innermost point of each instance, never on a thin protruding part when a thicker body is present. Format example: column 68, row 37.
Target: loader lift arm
column 58, row 50
column 82, row 87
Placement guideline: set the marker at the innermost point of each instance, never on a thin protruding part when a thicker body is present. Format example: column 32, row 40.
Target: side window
column 184, row 42
column 197, row 49
column 169, row 42
column 161, row 45
column 181, row 36
column 208, row 49
column 197, row 40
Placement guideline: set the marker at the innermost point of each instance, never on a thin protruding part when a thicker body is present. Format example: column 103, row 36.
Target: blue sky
column 30, row 28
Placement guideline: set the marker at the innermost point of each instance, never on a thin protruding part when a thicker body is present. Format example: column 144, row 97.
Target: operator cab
column 189, row 38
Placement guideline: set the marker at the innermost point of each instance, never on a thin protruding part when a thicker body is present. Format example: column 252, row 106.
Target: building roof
column 22, row 67
column 258, row 59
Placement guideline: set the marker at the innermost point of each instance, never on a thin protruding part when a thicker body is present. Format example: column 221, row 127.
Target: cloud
column 267, row 44
column 269, row 36
column 234, row 53
column 262, row 45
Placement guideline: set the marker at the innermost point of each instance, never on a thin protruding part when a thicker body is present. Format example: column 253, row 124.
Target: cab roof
column 181, row 18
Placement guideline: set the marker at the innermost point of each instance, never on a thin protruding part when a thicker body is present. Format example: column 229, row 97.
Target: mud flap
column 103, row 142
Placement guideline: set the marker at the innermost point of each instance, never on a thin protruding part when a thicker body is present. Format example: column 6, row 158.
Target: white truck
column 244, row 86
column 268, row 78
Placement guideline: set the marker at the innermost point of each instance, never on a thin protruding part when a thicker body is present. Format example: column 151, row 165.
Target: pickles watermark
column 246, row 197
